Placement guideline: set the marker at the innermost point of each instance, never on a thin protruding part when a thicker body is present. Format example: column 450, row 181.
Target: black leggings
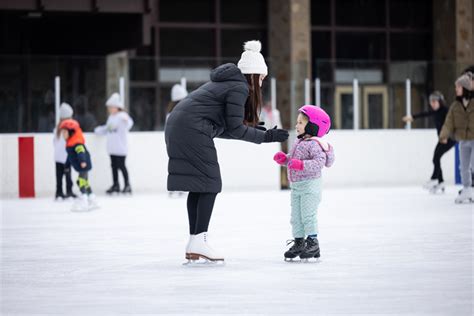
column 440, row 150
column 200, row 207
column 63, row 170
column 118, row 163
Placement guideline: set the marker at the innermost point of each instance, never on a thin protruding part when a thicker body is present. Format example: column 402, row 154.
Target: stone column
column 290, row 58
column 290, row 53
column 452, row 42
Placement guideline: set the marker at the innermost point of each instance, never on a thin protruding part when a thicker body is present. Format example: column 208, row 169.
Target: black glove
column 260, row 126
column 276, row 135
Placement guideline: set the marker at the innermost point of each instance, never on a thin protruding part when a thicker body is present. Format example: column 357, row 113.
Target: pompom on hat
column 115, row 100
column 65, row 111
column 252, row 61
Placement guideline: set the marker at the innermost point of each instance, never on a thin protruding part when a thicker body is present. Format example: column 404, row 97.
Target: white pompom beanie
column 178, row 92
column 252, row 61
column 65, row 111
column 115, row 100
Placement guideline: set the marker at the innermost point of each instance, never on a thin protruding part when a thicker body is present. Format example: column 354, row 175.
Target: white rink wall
column 363, row 158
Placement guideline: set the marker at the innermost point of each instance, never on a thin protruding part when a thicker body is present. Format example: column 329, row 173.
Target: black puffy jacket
column 216, row 109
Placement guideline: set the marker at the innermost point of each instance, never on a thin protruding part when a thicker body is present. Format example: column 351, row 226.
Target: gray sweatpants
column 466, row 155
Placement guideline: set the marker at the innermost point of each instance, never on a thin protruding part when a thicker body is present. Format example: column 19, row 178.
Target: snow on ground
column 391, row 250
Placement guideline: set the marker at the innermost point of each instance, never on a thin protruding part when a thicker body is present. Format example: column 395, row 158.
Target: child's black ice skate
column 113, row 189
column 295, row 250
column 311, row 249
column 127, row 189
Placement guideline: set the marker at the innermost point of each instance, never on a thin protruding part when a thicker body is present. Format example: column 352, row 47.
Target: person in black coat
column 227, row 107
column 438, row 111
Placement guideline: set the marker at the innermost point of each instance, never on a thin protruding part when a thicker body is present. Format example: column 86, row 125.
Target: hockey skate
column 438, row 188
column 429, row 185
column 200, row 253
column 113, row 189
column 81, row 204
column 465, row 196
column 295, row 250
column 311, row 250
column 59, row 196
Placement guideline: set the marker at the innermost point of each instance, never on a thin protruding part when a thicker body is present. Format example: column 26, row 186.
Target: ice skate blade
column 204, row 263
column 301, row 261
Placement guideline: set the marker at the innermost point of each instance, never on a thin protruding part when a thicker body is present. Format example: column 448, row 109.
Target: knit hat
column 436, row 96
column 465, row 81
column 115, row 100
column 252, row 61
column 65, row 111
column 178, row 93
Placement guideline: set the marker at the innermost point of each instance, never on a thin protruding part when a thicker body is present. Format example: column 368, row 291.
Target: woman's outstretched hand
column 276, row 135
column 280, row 158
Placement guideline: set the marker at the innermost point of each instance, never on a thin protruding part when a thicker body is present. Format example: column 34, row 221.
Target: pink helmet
column 319, row 121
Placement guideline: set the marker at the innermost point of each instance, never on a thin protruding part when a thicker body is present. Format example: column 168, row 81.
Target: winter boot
column 296, row 249
column 199, row 249
column 311, row 250
column 113, row 189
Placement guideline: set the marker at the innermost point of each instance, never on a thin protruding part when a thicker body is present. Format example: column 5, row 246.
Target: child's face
column 65, row 134
column 434, row 104
column 301, row 122
column 112, row 109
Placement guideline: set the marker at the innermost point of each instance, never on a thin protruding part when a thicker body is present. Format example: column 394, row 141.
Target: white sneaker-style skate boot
column 81, row 204
column 92, row 201
column 465, row 196
column 200, row 249
column 439, row 188
column 187, row 255
column 429, row 185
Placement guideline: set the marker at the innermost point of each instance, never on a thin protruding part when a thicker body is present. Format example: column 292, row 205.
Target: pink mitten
column 296, row 164
column 280, row 157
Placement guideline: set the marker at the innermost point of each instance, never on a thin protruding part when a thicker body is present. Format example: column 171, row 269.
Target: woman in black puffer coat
column 228, row 106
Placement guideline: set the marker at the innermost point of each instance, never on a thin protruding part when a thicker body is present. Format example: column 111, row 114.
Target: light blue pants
column 305, row 199
column 466, row 155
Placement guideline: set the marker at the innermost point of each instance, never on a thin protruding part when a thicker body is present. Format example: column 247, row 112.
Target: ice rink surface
column 384, row 251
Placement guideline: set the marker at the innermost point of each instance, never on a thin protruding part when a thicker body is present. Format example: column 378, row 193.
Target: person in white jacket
column 117, row 127
column 63, row 167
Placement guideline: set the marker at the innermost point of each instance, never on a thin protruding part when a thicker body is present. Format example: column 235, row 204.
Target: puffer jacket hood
column 227, row 72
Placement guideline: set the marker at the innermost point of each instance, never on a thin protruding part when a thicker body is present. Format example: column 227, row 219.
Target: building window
column 187, row 43
column 368, row 46
column 409, row 46
column 187, row 11
column 321, row 12
column 244, row 11
column 360, row 12
column 410, row 14
column 233, row 40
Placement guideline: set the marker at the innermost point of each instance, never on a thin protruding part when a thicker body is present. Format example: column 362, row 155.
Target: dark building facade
column 89, row 44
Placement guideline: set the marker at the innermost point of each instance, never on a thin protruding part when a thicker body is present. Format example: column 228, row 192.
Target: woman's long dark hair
column 254, row 101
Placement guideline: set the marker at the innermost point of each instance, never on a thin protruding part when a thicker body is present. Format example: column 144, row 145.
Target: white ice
column 384, row 250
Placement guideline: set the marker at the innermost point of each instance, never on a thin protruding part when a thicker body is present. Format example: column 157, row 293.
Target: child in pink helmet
column 305, row 161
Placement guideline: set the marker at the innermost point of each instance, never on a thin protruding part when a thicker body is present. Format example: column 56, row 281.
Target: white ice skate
column 438, row 188
column 187, row 255
column 465, row 196
column 92, row 202
column 201, row 253
column 81, row 204
column 429, row 185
